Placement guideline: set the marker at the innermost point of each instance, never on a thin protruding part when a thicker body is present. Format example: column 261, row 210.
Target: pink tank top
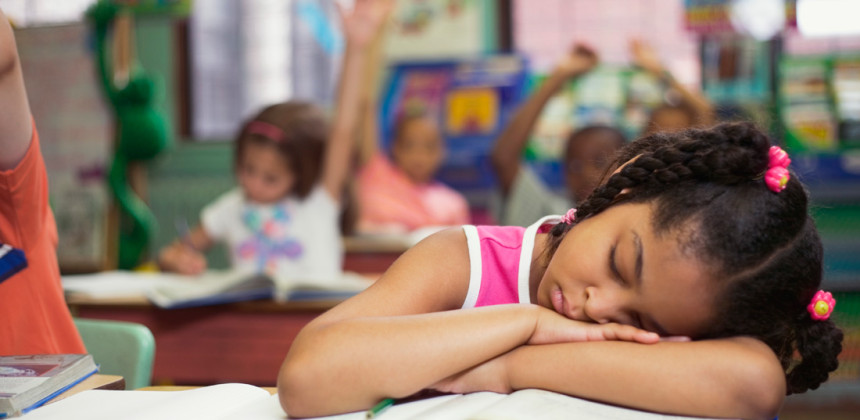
column 500, row 261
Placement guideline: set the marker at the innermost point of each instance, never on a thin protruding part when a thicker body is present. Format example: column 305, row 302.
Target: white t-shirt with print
column 292, row 239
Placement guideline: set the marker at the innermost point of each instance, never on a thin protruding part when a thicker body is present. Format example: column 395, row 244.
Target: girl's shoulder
column 233, row 198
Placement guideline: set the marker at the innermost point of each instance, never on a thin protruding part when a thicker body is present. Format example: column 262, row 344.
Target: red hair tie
column 269, row 131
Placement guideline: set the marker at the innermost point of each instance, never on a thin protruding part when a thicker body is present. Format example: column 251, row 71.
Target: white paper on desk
column 113, row 284
column 527, row 404
column 225, row 401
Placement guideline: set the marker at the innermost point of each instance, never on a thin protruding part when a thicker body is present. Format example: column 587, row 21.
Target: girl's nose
column 604, row 306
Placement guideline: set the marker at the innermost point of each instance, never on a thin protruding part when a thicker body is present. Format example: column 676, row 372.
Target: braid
column 818, row 343
column 692, row 155
column 761, row 246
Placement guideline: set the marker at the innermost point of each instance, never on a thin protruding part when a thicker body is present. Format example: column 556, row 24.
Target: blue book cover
column 12, row 260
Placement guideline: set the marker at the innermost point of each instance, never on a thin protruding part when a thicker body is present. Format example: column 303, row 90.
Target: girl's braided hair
column 762, row 246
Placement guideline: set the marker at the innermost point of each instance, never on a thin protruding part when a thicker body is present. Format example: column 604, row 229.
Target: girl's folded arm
column 400, row 335
column 736, row 377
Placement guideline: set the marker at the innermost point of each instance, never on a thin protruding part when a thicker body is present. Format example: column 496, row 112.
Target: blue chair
column 120, row 348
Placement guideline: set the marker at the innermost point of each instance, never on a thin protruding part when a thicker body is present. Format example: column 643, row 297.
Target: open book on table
column 241, row 401
column 169, row 290
column 26, row 382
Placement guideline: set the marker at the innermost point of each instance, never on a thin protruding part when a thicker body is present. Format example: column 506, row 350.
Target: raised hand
column 579, row 61
column 645, row 57
column 363, row 22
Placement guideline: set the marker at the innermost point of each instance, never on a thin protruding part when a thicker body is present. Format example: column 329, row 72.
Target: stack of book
column 27, row 382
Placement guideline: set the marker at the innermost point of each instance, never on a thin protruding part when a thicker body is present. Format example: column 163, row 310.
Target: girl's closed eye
column 635, row 319
column 613, row 266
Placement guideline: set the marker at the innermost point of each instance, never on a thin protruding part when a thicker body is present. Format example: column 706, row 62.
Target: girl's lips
column 558, row 302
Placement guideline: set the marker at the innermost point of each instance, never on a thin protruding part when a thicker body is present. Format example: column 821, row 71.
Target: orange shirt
column 34, row 318
column 388, row 198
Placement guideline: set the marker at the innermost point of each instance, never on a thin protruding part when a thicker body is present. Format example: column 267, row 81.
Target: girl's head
column 671, row 118
column 279, row 152
column 418, row 149
column 688, row 222
column 588, row 153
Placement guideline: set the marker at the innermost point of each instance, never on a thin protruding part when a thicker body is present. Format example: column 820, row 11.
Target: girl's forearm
column 350, row 365
column 508, row 149
column 339, row 149
column 737, row 378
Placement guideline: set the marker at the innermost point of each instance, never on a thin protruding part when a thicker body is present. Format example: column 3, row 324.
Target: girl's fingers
column 676, row 338
column 625, row 333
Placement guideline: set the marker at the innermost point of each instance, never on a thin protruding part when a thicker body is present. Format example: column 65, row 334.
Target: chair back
column 120, row 348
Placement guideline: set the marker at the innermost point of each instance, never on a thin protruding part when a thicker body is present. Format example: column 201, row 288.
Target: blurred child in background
column 524, row 196
column 399, row 193
column 34, row 318
column 291, row 169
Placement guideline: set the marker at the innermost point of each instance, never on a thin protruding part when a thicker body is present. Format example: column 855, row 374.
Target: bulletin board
column 438, row 28
column 471, row 99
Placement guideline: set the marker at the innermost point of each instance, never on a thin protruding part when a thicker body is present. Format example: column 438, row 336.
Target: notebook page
column 546, row 405
column 404, row 411
column 460, row 407
column 211, row 403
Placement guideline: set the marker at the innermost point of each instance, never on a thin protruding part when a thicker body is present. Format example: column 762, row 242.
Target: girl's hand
column 488, row 376
column 182, row 259
column 581, row 60
column 645, row 57
column 362, row 23
column 552, row 327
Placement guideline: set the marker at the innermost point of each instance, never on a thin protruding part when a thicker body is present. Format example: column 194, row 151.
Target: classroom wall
column 75, row 134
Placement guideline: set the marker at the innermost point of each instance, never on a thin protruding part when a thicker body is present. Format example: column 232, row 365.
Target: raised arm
column 403, row 334
column 368, row 131
column 508, row 148
column 360, row 26
column 645, row 57
column 16, row 127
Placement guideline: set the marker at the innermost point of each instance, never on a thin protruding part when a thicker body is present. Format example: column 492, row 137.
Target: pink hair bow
column 777, row 174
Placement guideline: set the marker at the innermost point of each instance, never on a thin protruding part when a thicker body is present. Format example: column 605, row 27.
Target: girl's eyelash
column 613, row 266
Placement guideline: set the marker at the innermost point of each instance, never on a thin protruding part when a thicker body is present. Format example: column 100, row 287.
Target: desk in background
column 242, row 342
column 373, row 254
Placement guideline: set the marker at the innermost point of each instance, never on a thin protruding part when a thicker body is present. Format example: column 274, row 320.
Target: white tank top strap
column 526, row 253
column 474, row 244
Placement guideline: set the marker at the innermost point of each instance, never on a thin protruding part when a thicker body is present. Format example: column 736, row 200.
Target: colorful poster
column 437, row 28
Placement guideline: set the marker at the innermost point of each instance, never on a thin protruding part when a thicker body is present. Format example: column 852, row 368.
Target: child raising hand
column 398, row 192
column 524, row 196
column 687, row 283
column 291, row 169
column 34, row 318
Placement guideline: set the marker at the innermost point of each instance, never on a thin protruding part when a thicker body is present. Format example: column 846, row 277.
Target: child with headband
column 687, row 283
column 291, row 169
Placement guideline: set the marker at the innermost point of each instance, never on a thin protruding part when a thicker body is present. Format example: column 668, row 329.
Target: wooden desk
column 97, row 381
column 372, row 254
column 242, row 342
